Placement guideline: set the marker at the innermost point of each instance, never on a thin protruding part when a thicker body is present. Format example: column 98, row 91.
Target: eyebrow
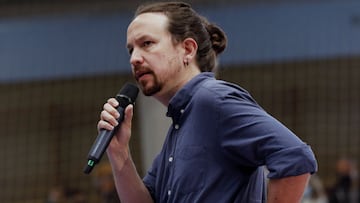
column 142, row 38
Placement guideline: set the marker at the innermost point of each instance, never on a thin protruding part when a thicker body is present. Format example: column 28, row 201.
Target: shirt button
column 182, row 111
column 177, row 126
column 171, row 159
column 169, row 192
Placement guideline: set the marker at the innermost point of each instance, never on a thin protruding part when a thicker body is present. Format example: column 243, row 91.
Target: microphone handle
column 101, row 143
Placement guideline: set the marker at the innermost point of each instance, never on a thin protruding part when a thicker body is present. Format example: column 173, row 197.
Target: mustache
column 140, row 68
column 138, row 71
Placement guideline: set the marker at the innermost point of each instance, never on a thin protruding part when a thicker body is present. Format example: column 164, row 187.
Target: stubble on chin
column 150, row 88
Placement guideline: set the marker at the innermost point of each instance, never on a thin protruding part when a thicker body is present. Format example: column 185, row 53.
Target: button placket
column 171, row 156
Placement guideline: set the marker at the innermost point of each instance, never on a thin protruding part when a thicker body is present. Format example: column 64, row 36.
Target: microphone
column 127, row 95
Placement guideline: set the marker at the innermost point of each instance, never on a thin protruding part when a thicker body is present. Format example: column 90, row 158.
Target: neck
column 166, row 96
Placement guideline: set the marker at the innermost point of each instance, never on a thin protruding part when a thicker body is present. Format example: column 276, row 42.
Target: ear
column 190, row 46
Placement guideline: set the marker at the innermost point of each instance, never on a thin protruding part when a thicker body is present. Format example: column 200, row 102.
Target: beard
column 150, row 87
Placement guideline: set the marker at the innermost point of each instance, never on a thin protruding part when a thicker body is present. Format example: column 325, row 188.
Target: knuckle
column 102, row 115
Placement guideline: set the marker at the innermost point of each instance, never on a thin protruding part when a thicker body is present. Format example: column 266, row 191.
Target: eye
column 130, row 51
column 147, row 43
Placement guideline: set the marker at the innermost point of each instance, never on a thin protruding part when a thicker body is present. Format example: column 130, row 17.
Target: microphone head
column 127, row 94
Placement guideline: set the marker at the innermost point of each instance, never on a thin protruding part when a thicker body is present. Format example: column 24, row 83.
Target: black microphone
column 127, row 95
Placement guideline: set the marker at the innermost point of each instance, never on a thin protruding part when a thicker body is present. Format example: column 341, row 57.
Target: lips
column 140, row 73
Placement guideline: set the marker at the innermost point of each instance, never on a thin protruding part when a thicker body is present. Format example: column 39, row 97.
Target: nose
column 136, row 58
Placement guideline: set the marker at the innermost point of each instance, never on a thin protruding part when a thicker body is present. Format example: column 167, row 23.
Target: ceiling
column 17, row 8
column 12, row 8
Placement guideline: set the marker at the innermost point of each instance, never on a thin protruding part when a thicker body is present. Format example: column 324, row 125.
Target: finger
column 107, row 117
column 113, row 102
column 111, row 110
column 104, row 125
column 128, row 115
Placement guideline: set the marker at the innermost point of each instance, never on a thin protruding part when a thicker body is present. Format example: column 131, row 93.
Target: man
column 220, row 140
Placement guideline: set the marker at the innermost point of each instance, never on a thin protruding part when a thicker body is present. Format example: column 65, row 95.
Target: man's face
column 154, row 58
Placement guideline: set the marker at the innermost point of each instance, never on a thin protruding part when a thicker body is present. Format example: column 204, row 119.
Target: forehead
column 147, row 23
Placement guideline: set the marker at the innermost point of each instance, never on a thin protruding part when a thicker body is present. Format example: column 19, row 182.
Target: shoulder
column 222, row 90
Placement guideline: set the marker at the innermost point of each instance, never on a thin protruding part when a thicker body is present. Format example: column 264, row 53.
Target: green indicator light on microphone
column 91, row 163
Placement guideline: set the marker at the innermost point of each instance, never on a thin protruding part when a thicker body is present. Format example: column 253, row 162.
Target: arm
column 288, row 189
column 129, row 185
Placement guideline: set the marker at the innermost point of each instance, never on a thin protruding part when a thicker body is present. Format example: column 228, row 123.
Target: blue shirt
column 217, row 147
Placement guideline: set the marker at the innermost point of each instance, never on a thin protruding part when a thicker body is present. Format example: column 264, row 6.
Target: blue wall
column 47, row 47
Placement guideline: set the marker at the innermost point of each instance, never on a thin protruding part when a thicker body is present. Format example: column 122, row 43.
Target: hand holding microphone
column 126, row 96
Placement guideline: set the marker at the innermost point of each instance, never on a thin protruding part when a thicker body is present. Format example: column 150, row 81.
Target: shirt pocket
column 190, row 169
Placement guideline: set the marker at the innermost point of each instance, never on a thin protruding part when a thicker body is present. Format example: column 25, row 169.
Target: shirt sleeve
column 252, row 138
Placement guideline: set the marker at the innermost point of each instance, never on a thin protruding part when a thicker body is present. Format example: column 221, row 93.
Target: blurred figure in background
column 75, row 196
column 59, row 194
column 345, row 188
column 104, row 183
column 315, row 192
column 56, row 195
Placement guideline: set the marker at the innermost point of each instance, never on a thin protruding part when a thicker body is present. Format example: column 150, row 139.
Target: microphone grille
column 130, row 91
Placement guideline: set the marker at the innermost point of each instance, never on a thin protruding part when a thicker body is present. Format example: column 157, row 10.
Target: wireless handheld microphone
column 127, row 95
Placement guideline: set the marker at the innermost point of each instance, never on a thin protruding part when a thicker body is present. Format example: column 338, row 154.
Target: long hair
column 184, row 23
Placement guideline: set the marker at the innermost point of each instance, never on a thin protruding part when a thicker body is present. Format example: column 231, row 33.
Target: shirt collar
column 183, row 96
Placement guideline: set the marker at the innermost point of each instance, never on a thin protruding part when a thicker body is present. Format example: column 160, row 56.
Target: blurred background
column 60, row 60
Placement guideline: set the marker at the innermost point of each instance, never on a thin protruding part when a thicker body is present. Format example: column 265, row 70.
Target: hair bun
column 217, row 37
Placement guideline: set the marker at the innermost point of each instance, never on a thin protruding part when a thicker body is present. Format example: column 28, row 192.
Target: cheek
column 176, row 64
column 168, row 65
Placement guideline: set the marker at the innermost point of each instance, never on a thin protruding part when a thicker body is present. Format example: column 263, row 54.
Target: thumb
column 129, row 112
